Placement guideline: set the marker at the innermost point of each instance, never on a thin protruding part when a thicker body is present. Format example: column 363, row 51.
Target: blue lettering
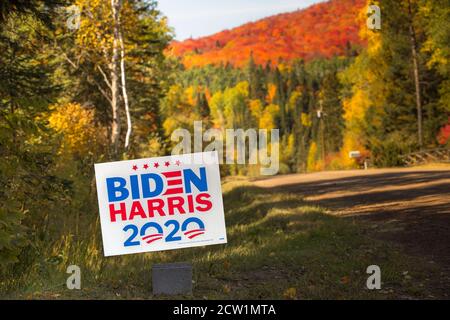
column 134, row 187
column 113, row 189
column 191, row 178
column 145, row 179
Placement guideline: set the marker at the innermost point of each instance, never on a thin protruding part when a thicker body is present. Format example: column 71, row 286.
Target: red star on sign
column 177, row 162
column 145, row 166
column 167, row 163
column 156, row 165
column 135, row 167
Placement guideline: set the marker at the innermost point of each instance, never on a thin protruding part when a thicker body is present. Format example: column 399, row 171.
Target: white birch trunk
column 124, row 91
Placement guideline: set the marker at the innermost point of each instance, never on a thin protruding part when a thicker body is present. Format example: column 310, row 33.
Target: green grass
column 278, row 248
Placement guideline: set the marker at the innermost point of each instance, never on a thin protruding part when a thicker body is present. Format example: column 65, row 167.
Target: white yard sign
column 160, row 203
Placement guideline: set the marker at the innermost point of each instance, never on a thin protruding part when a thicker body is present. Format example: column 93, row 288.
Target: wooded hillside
column 323, row 30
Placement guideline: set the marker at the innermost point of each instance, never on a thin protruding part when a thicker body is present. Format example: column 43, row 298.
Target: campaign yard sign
column 160, row 203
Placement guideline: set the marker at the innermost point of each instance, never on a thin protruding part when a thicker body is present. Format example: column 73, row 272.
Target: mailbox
column 354, row 154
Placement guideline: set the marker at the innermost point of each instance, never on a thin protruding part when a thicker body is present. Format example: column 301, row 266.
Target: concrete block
column 172, row 278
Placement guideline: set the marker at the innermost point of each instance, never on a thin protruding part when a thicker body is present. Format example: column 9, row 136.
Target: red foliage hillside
column 322, row 30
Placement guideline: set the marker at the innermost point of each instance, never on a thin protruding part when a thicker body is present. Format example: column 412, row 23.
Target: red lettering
column 155, row 204
column 113, row 212
column 201, row 199
column 190, row 203
column 178, row 205
column 137, row 210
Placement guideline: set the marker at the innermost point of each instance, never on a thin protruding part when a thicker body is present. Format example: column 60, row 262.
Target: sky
column 198, row 18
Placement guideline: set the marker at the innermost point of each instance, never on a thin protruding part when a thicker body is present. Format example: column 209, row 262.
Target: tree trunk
column 114, row 69
column 124, row 89
column 413, row 41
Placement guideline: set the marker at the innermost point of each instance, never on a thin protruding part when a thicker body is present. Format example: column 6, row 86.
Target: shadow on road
column 411, row 208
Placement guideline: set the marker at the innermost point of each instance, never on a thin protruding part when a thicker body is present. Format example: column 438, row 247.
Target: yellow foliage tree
column 77, row 128
column 313, row 162
column 190, row 93
column 365, row 82
column 267, row 120
column 287, row 153
column 271, row 92
column 177, row 108
column 305, row 120
column 293, row 100
column 256, row 108
column 217, row 106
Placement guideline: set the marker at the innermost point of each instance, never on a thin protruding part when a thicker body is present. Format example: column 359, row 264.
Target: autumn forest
column 117, row 85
